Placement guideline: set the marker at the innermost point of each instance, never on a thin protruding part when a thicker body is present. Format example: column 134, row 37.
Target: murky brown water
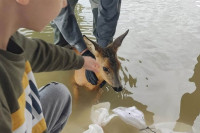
column 160, row 65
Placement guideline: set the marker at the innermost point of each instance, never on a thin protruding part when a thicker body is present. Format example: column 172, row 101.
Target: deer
column 109, row 66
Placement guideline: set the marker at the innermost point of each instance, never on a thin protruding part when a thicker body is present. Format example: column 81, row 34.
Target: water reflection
column 46, row 34
column 190, row 108
column 85, row 18
column 157, row 58
column 127, row 78
column 124, row 99
column 198, row 3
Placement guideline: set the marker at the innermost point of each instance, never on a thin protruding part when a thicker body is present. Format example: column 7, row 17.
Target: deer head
column 107, row 58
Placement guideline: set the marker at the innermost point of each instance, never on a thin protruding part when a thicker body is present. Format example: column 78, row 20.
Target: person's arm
column 67, row 29
column 48, row 57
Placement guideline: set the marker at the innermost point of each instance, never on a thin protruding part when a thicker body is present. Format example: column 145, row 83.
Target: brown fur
column 107, row 58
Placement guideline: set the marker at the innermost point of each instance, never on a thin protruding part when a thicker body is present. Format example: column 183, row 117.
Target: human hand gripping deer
column 90, row 64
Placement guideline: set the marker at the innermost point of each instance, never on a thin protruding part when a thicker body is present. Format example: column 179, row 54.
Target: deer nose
column 117, row 89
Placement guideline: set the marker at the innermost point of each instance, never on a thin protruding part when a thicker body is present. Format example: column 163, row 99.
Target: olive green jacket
column 20, row 108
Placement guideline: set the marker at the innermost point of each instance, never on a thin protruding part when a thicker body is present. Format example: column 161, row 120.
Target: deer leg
column 98, row 95
column 75, row 92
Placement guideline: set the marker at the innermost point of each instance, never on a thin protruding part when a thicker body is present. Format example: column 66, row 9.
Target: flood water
column 160, row 66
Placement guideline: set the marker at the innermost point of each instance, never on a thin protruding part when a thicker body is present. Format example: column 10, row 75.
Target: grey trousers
column 56, row 103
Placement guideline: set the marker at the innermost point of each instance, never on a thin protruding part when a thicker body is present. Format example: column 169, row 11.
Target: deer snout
column 117, row 84
column 117, row 89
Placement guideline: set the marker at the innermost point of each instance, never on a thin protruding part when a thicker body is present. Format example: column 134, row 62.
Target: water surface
column 160, row 65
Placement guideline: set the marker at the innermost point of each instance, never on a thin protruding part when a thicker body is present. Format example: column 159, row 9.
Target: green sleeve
column 48, row 57
column 5, row 118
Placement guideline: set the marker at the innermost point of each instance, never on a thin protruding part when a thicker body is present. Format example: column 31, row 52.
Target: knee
column 62, row 94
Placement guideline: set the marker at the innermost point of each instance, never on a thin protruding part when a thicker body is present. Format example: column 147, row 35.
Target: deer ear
column 92, row 46
column 118, row 41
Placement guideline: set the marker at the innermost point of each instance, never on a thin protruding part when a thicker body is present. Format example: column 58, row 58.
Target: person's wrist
column 84, row 51
column 80, row 46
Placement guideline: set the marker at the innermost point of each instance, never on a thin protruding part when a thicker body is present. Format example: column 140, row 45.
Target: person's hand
column 90, row 65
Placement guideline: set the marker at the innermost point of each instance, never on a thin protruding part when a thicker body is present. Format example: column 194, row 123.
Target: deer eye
column 105, row 69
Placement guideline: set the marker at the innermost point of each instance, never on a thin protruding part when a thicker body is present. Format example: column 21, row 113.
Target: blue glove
column 90, row 75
